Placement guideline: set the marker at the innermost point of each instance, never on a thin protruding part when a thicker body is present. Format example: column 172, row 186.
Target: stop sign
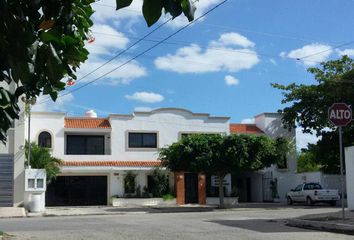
column 340, row 114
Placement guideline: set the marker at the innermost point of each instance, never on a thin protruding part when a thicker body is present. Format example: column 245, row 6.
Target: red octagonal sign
column 340, row 114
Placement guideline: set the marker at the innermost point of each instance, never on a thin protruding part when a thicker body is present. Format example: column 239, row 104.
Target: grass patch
column 168, row 197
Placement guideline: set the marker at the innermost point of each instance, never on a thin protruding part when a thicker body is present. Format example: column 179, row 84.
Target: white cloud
column 101, row 50
column 123, row 75
column 105, row 12
column 142, row 109
column 348, row 52
column 248, row 120
column 202, row 7
column 192, row 59
column 316, row 53
column 232, row 39
column 106, row 45
column 230, row 80
column 148, row 97
column 48, row 106
column 302, row 139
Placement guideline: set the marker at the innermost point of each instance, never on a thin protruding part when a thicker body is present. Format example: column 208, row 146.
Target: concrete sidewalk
column 331, row 222
column 12, row 212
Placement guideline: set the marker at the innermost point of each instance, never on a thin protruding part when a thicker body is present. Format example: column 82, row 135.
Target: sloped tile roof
column 111, row 163
column 244, row 128
column 87, row 123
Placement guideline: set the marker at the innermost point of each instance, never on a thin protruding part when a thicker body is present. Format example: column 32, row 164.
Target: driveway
column 242, row 223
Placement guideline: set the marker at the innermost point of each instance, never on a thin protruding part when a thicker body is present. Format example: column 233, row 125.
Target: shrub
column 41, row 158
column 167, row 197
column 129, row 183
column 160, row 183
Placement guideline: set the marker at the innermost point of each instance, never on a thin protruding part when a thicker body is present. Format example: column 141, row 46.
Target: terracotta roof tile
column 112, row 163
column 87, row 123
column 245, row 128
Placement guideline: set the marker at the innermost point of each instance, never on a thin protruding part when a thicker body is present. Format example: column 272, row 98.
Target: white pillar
column 349, row 166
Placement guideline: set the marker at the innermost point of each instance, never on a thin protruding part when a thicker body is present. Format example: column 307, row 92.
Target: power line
column 229, row 27
column 184, row 44
column 145, row 51
column 125, row 50
column 327, row 50
column 121, row 52
column 270, row 34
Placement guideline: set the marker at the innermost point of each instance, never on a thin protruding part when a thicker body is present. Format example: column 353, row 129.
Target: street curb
column 321, row 225
column 124, row 212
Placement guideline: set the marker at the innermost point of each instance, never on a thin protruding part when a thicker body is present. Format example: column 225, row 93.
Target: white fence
column 287, row 181
column 349, row 165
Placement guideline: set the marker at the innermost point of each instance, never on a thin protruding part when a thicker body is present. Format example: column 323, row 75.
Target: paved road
column 249, row 223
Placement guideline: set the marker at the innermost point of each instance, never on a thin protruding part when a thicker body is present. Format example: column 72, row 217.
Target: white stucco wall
column 52, row 123
column 349, row 166
column 271, row 125
column 168, row 123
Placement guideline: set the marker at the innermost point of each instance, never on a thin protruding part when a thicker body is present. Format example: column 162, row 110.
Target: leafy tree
column 42, row 42
column 307, row 162
column 41, row 158
column 326, row 150
column 308, row 106
column 219, row 155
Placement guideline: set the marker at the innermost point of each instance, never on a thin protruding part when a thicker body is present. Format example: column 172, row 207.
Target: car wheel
column 333, row 203
column 289, row 201
column 309, row 201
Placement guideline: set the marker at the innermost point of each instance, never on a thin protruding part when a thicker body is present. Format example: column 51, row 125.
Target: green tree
column 41, row 158
column 219, row 155
column 307, row 162
column 42, row 42
column 308, row 106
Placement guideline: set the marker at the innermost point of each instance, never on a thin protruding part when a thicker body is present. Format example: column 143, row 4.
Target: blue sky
column 223, row 64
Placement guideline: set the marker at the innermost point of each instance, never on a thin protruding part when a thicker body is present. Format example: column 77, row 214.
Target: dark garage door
column 77, row 191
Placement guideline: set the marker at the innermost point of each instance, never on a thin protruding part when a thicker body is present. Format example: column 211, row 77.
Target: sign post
column 340, row 114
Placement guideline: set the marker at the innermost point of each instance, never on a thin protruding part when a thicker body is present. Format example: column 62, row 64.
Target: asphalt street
column 247, row 223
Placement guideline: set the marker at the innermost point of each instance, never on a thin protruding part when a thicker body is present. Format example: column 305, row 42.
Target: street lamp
column 28, row 102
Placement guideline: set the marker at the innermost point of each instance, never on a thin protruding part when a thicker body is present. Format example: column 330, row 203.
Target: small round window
column 45, row 140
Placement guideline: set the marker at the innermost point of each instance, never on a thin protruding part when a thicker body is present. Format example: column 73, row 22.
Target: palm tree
column 41, row 158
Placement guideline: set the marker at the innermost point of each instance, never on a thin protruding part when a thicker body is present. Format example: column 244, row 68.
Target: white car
column 312, row 193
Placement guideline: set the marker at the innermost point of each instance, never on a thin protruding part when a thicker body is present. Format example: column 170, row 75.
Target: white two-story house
column 99, row 152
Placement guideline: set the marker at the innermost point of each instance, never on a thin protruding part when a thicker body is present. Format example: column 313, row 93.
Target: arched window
column 45, row 140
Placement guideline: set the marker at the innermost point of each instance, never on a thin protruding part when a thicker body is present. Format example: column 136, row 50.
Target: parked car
column 312, row 193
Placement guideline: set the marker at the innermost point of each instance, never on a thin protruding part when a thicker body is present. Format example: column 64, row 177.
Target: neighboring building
column 12, row 162
column 99, row 152
column 257, row 186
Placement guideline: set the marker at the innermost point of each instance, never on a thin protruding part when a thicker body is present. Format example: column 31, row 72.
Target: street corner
column 330, row 222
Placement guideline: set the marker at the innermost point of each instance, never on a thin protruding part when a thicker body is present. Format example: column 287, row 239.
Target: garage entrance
column 77, row 191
